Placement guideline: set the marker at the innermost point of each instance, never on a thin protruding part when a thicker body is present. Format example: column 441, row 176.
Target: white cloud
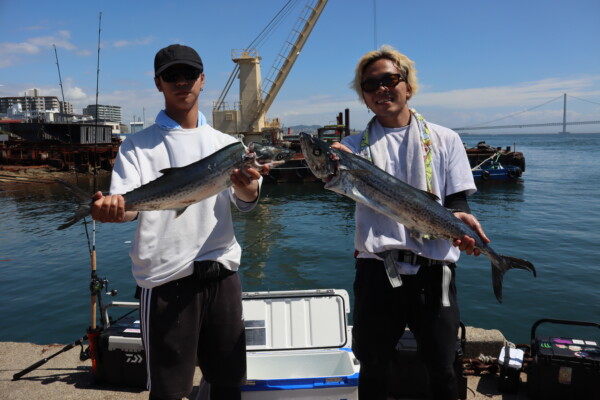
column 60, row 40
column 453, row 108
column 135, row 42
column 518, row 97
column 75, row 94
column 18, row 48
column 524, row 103
column 12, row 53
column 461, row 107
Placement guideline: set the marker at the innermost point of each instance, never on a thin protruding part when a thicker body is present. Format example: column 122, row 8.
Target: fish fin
column 500, row 268
column 180, row 211
column 84, row 200
column 167, row 171
column 432, row 196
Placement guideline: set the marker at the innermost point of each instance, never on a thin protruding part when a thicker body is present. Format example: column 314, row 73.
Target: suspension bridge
column 563, row 124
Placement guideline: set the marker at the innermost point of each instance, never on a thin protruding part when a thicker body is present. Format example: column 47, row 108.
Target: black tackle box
column 120, row 359
column 563, row 367
column 407, row 375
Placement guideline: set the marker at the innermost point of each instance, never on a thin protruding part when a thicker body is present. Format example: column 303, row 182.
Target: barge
column 83, row 147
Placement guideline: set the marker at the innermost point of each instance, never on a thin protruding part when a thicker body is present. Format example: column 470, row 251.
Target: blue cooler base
column 309, row 374
column 329, row 393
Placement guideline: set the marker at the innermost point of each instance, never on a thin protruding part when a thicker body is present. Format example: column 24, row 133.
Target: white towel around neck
column 407, row 157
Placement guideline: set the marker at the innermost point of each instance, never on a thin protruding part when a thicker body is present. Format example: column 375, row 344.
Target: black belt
column 210, row 271
column 410, row 257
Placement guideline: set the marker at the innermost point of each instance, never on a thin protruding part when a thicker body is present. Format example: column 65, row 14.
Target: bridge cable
column 512, row 115
column 589, row 101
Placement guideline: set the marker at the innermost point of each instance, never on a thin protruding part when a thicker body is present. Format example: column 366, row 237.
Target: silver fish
column 177, row 188
column 365, row 183
column 267, row 152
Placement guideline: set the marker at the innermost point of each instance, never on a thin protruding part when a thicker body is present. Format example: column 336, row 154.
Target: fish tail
column 502, row 264
column 83, row 199
column 83, row 211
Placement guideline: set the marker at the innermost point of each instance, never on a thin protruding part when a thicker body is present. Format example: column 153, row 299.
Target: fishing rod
column 83, row 355
column 96, row 284
column 95, row 184
column 62, row 107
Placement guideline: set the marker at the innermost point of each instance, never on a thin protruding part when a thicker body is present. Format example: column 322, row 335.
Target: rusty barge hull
column 84, row 147
column 60, row 156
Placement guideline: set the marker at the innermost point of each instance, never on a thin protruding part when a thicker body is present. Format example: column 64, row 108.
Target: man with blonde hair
column 402, row 280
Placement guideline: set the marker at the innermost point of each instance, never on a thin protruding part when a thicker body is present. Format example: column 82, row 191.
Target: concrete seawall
column 66, row 377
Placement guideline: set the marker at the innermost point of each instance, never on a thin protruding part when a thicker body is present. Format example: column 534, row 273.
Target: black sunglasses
column 172, row 74
column 390, row 81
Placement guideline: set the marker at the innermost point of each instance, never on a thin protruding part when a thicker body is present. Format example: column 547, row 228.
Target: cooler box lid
column 296, row 319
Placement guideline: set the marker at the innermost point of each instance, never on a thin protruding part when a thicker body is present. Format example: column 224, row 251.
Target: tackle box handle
column 557, row 321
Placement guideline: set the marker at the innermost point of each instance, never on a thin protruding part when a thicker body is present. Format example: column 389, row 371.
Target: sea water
column 300, row 236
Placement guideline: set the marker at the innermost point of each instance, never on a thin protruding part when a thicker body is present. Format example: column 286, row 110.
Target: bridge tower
column 564, row 130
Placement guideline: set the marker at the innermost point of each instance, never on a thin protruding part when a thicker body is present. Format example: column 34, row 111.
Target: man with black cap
column 190, row 300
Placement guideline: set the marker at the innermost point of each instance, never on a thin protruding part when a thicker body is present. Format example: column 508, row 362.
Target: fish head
column 318, row 156
column 265, row 153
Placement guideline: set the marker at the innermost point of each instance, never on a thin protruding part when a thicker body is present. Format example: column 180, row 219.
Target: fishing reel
column 97, row 284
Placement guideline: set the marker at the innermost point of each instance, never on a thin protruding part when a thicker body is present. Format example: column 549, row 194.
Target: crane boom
column 290, row 59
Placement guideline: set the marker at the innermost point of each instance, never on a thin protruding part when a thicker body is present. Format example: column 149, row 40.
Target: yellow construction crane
column 248, row 117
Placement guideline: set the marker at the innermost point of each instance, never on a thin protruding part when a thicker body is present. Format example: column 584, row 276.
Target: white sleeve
column 459, row 176
column 125, row 175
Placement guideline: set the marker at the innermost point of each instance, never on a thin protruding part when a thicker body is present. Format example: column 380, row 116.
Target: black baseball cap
column 176, row 54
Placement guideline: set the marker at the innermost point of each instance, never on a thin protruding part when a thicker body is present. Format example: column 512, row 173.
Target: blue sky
column 477, row 61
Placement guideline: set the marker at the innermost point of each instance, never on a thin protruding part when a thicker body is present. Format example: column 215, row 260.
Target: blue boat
column 492, row 170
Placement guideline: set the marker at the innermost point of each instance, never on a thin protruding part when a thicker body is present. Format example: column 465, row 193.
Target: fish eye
column 316, row 152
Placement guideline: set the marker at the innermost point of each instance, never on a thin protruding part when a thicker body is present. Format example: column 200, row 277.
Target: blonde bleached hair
column 404, row 64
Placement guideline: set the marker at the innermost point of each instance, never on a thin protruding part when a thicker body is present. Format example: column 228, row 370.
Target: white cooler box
column 298, row 346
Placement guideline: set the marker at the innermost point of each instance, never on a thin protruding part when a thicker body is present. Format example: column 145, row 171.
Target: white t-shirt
column 376, row 233
column 165, row 247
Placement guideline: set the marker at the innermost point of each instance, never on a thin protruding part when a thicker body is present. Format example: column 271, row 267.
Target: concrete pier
column 65, row 377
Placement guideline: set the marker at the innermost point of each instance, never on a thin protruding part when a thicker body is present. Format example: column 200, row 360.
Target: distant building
column 32, row 105
column 66, row 108
column 136, row 126
column 105, row 112
column 16, row 112
column 114, row 126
